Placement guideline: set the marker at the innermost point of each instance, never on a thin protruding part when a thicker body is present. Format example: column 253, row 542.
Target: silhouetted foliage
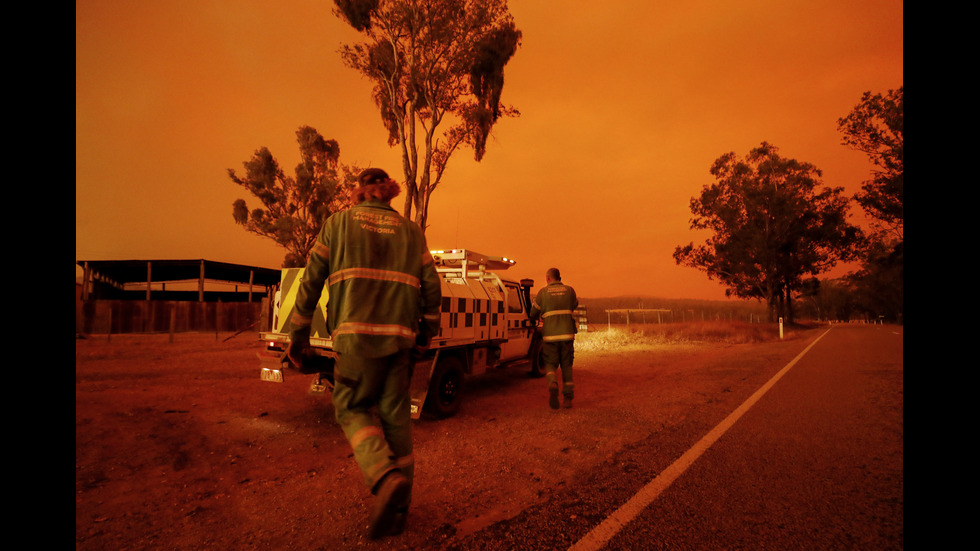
column 433, row 64
column 294, row 208
column 879, row 284
column 830, row 299
column 876, row 127
column 773, row 225
column 357, row 13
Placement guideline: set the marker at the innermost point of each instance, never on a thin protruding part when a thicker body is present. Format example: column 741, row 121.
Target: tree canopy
column 294, row 208
column 773, row 226
column 876, row 127
column 434, row 65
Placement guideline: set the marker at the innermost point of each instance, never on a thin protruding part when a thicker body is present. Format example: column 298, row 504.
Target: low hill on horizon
column 680, row 309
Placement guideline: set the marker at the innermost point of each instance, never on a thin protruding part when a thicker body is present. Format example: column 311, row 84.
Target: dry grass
column 648, row 336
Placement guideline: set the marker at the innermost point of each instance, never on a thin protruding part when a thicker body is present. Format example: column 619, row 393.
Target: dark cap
column 372, row 176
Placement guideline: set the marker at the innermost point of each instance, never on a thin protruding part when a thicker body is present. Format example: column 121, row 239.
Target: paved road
column 814, row 461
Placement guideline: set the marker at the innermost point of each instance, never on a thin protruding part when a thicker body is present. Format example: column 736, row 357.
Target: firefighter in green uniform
column 383, row 302
column 556, row 304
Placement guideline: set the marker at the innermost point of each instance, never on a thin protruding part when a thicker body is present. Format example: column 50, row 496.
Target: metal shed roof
column 135, row 271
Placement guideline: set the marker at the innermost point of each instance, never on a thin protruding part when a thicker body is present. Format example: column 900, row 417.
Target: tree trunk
column 789, row 306
column 772, row 307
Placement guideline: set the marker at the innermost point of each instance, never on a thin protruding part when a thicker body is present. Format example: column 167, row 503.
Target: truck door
column 519, row 330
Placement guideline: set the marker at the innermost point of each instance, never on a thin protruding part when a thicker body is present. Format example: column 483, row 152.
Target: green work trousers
column 555, row 355
column 363, row 385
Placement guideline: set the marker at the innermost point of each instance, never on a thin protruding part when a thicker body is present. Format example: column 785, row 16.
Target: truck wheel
column 445, row 390
column 537, row 363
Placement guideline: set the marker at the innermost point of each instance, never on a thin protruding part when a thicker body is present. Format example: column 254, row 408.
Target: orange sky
column 624, row 108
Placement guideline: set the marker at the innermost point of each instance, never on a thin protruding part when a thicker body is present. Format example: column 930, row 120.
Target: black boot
column 392, row 491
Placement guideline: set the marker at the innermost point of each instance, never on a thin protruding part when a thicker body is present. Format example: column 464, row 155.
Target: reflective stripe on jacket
column 383, row 285
column 556, row 304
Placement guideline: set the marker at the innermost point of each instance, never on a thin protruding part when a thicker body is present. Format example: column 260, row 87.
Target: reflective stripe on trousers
column 360, row 385
column 555, row 355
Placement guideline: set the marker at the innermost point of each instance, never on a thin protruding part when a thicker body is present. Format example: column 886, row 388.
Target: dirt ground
column 180, row 445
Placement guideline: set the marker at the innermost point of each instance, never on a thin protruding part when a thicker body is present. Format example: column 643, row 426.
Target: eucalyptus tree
column 876, row 127
column 773, row 225
column 294, row 207
column 437, row 69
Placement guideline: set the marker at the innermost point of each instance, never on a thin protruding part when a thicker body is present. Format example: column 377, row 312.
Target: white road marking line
column 615, row 522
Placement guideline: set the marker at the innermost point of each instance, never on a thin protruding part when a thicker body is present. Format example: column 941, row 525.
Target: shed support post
column 251, row 278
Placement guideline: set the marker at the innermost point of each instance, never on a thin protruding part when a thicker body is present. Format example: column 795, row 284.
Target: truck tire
column 445, row 389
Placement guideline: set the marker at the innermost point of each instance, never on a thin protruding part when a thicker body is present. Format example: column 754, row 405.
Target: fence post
column 173, row 320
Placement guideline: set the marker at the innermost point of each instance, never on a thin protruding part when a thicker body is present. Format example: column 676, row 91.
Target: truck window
column 514, row 299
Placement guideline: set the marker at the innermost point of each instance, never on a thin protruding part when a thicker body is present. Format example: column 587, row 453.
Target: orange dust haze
column 624, row 107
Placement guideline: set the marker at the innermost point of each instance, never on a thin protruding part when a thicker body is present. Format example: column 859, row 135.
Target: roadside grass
column 647, row 336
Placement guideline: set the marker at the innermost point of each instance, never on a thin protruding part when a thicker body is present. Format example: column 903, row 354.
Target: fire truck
column 485, row 324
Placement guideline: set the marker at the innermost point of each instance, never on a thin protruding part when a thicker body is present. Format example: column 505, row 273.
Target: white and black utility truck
column 485, row 324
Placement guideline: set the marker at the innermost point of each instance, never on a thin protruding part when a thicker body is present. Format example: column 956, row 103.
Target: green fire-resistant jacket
column 382, row 283
column 555, row 304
